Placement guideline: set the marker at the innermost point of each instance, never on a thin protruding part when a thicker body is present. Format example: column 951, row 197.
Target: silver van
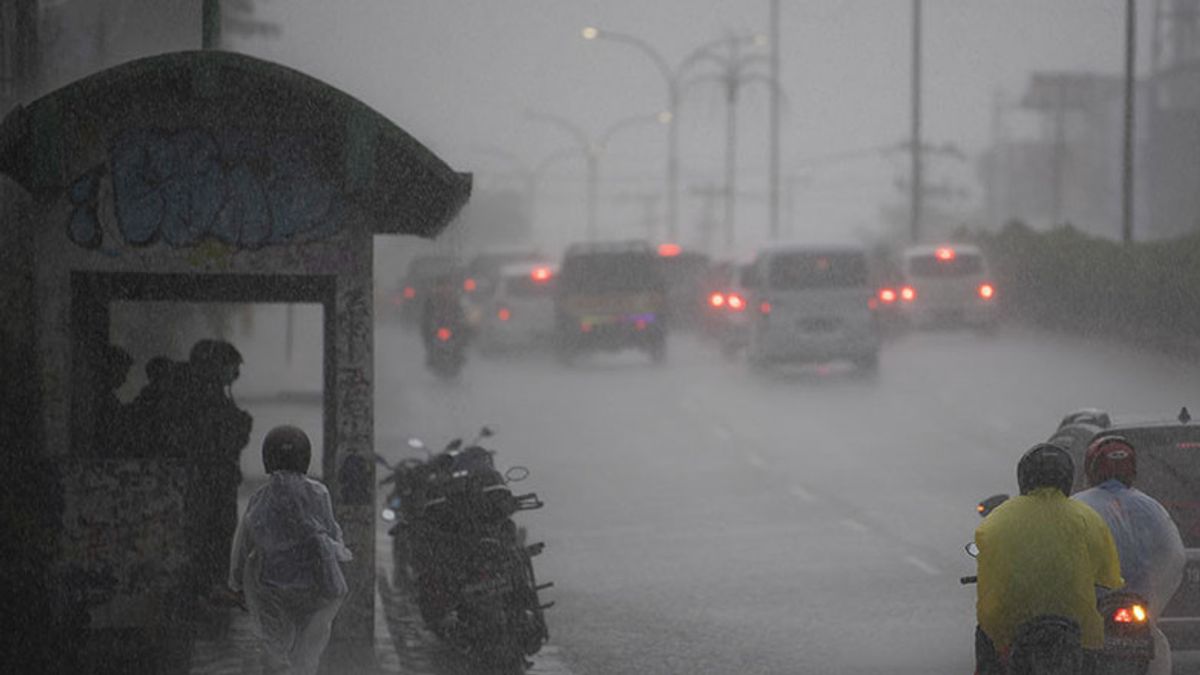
column 812, row 303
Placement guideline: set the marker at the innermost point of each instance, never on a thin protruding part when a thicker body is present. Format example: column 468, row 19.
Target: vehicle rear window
column 1169, row 471
column 425, row 268
column 489, row 264
column 799, row 271
column 932, row 267
column 525, row 286
column 611, row 272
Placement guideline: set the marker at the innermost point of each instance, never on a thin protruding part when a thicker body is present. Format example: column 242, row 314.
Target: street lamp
column 734, row 70
column 670, row 116
column 591, row 150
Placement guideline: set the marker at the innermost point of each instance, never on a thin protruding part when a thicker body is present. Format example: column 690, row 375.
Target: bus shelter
column 192, row 177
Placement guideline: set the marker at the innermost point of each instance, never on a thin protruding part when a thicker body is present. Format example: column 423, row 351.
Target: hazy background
column 459, row 75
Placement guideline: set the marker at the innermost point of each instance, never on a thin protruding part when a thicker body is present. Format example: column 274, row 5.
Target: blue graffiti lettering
column 238, row 187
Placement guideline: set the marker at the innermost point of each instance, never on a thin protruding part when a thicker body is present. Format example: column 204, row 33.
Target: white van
column 946, row 284
column 812, row 303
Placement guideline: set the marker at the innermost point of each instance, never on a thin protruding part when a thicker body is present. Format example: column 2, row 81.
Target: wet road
column 701, row 518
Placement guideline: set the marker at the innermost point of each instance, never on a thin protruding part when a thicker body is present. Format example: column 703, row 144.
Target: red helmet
column 1110, row 457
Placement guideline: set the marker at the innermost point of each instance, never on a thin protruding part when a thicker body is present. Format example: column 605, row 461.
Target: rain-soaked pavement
column 701, row 518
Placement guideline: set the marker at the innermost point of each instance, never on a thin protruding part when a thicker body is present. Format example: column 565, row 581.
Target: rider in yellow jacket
column 1041, row 553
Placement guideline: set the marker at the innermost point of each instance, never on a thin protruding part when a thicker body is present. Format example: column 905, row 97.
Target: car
column 482, row 271
column 422, row 272
column 610, row 296
column 684, row 273
column 810, row 304
column 946, row 284
column 519, row 314
column 1169, row 471
column 731, row 310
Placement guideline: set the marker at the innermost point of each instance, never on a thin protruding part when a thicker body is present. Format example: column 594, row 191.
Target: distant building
column 1070, row 169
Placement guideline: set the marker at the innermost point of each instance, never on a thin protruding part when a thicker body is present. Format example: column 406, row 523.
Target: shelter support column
column 351, row 473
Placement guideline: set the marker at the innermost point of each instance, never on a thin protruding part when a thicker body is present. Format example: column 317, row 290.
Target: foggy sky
column 459, row 74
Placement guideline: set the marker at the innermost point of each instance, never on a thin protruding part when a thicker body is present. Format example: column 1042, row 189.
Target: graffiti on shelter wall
column 182, row 188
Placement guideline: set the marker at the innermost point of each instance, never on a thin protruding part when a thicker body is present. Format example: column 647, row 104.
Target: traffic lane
column 945, row 423
column 642, row 502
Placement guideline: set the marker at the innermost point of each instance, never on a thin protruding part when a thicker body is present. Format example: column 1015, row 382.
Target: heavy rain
column 600, row 336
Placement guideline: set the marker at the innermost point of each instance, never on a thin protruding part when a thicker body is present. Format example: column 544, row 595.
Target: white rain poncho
column 287, row 529
column 1150, row 548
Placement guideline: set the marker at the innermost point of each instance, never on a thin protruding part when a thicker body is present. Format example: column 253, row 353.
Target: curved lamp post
column 592, row 150
column 670, row 116
column 734, row 70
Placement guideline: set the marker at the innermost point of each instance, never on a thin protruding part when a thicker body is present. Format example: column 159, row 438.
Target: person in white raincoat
column 286, row 556
column 1148, row 542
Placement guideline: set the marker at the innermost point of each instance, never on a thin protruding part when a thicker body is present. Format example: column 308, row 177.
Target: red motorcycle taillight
column 1131, row 614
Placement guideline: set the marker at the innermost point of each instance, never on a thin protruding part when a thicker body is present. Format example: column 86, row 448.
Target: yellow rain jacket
column 1042, row 553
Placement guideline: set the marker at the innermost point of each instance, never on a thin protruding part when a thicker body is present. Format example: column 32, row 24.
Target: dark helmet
column 286, row 448
column 215, row 353
column 1110, row 457
column 1045, row 465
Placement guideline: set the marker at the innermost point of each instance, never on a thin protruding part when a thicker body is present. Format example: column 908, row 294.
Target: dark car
column 423, row 271
column 1169, row 471
column 610, row 296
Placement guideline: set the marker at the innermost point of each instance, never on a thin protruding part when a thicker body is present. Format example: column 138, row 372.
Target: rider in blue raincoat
column 1148, row 542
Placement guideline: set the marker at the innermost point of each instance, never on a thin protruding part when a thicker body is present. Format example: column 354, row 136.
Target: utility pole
column 1127, row 158
column 915, row 216
column 773, row 169
column 211, row 24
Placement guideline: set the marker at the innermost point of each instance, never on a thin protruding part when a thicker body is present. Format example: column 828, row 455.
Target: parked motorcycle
column 463, row 557
column 1051, row 645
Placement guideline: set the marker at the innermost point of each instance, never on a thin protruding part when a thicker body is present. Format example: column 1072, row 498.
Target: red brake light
column 541, row 274
column 986, row 291
column 444, row 334
column 469, row 285
column 640, row 324
column 736, row 302
column 908, row 294
column 944, row 253
column 669, row 250
column 717, row 299
column 765, row 307
column 1131, row 614
column 410, row 292
column 585, row 327
column 503, row 314
column 887, row 296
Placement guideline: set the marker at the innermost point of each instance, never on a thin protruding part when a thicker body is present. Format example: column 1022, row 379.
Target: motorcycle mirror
column 486, row 432
column 988, row 505
column 516, row 474
column 972, row 550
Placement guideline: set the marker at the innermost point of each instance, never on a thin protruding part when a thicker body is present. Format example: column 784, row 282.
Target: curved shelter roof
column 193, row 124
